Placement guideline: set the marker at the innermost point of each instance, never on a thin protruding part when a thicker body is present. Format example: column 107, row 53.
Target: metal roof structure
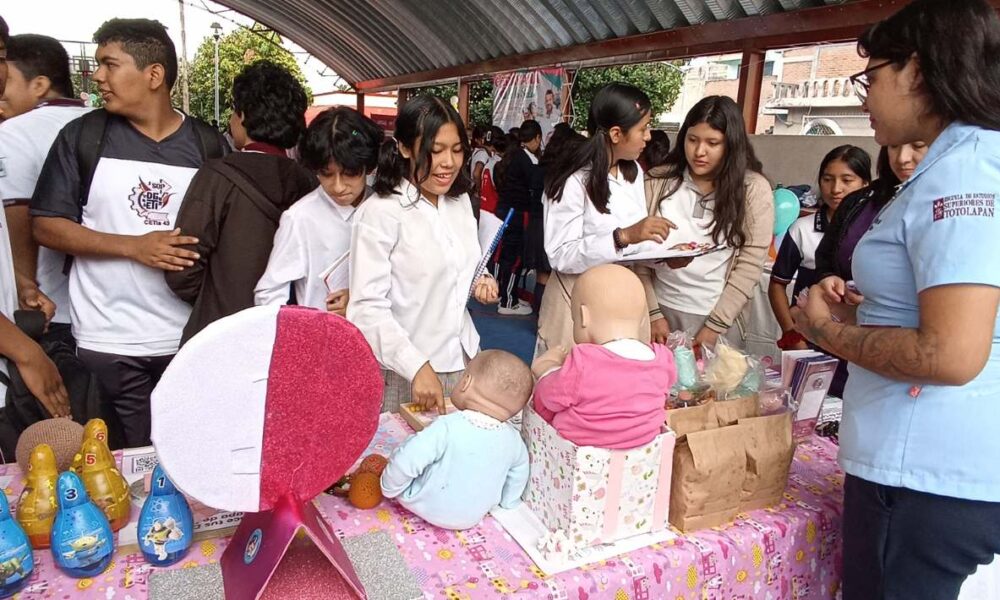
column 384, row 44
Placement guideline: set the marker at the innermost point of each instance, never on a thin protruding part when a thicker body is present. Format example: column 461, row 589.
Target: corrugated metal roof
column 376, row 39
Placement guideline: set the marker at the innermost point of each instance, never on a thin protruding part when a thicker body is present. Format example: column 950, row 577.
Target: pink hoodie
column 601, row 399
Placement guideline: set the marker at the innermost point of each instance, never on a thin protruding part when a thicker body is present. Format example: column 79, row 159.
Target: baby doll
column 610, row 390
column 453, row 472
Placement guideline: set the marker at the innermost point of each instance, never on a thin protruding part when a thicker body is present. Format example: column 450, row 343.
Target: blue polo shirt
column 942, row 228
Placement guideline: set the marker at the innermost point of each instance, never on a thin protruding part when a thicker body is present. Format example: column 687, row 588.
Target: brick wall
column 841, row 60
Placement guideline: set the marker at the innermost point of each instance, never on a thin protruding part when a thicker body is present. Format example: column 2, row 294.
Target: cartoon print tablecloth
column 789, row 552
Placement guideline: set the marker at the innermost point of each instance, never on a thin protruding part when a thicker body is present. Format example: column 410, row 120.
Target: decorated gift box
column 594, row 495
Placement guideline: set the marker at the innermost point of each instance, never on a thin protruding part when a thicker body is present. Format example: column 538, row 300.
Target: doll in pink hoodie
column 609, row 391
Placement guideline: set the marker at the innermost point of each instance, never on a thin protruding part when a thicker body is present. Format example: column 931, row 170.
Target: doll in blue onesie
column 453, row 472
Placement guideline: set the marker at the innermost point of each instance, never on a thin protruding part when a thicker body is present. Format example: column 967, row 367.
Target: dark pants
column 126, row 383
column 511, row 261
column 905, row 545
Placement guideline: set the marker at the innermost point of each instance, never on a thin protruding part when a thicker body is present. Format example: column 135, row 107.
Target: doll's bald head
column 496, row 383
column 609, row 303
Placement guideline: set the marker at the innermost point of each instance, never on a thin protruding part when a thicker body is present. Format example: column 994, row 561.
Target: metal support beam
column 361, row 102
column 567, row 97
column 463, row 100
column 751, row 81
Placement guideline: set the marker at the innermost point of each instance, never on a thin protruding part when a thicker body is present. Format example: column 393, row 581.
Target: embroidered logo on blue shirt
column 965, row 205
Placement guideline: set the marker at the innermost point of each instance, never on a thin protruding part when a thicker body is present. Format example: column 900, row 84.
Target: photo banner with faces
column 535, row 94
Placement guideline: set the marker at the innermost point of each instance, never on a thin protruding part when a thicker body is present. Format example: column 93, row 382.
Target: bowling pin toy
column 37, row 506
column 82, row 542
column 16, row 560
column 166, row 524
column 104, row 482
column 95, row 429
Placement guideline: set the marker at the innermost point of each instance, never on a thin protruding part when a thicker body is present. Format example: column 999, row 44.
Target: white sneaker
column 518, row 309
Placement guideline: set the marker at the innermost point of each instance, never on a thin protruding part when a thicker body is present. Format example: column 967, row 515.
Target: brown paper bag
column 693, row 418
column 729, row 412
column 769, row 451
column 709, row 469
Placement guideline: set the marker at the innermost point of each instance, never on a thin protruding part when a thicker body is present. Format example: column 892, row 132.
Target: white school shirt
column 696, row 288
column 24, row 143
column 312, row 234
column 412, row 266
column 577, row 236
column 8, row 291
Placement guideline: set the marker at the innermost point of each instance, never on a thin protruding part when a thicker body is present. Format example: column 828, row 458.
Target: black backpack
column 22, row 409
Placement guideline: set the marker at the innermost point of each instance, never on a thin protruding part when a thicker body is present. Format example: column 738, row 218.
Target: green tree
column 236, row 50
column 661, row 82
column 480, row 99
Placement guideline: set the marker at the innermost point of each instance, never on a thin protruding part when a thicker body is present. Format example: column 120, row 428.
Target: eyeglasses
column 860, row 83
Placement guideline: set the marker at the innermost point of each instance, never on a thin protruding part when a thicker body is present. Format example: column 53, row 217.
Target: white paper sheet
column 338, row 275
column 526, row 529
column 657, row 252
column 489, row 225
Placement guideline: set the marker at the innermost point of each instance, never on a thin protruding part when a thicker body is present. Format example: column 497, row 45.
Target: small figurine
column 95, row 429
column 81, row 536
column 36, row 509
column 16, row 560
column 166, row 525
column 581, row 393
column 463, row 464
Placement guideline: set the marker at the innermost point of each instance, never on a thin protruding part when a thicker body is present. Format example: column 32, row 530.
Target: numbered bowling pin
column 81, row 536
column 166, row 525
column 104, row 482
column 16, row 560
column 37, row 507
column 95, row 429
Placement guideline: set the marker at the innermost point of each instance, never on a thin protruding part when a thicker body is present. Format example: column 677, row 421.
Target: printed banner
column 523, row 95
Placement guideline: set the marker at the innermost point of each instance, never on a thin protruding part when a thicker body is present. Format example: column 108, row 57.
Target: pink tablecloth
column 791, row 551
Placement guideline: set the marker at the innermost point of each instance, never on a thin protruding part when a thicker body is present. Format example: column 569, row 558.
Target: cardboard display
column 260, row 412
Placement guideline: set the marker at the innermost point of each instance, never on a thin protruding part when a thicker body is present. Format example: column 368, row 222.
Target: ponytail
column 392, row 168
column 614, row 105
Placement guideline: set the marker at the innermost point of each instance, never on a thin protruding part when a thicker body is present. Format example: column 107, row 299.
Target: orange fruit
column 366, row 491
column 373, row 463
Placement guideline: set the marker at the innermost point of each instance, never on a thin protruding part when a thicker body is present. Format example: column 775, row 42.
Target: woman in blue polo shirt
column 920, row 436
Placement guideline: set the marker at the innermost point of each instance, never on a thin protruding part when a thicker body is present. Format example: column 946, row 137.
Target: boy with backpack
column 108, row 195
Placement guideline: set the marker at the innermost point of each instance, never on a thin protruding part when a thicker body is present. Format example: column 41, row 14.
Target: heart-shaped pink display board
column 267, row 403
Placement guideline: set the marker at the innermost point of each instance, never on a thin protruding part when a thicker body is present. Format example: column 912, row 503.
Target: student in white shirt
column 711, row 189
column 37, row 102
column 594, row 204
column 39, row 373
column 414, row 253
column 341, row 146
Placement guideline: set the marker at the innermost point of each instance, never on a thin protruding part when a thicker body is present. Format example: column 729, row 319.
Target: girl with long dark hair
column 918, row 439
column 843, row 171
column 594, row 207
column 414, row 252
column 712, row 189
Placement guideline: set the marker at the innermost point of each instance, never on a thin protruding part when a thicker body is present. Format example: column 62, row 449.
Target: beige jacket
column 748, row 261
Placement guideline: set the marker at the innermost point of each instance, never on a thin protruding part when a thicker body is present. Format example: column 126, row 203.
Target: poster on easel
column 536, row 94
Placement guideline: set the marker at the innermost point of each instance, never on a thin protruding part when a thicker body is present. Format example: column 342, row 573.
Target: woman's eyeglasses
column 860, row 82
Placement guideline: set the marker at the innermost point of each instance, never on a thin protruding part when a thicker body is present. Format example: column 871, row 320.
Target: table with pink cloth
column 791, row 551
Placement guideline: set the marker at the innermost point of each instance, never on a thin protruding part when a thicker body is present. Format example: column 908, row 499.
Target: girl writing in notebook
column 341, row 147
column 414, row 253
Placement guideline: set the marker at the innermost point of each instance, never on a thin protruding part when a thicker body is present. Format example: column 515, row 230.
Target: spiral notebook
column 491, row 230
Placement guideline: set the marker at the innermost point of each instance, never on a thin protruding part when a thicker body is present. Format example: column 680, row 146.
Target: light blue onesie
column 452, row 473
